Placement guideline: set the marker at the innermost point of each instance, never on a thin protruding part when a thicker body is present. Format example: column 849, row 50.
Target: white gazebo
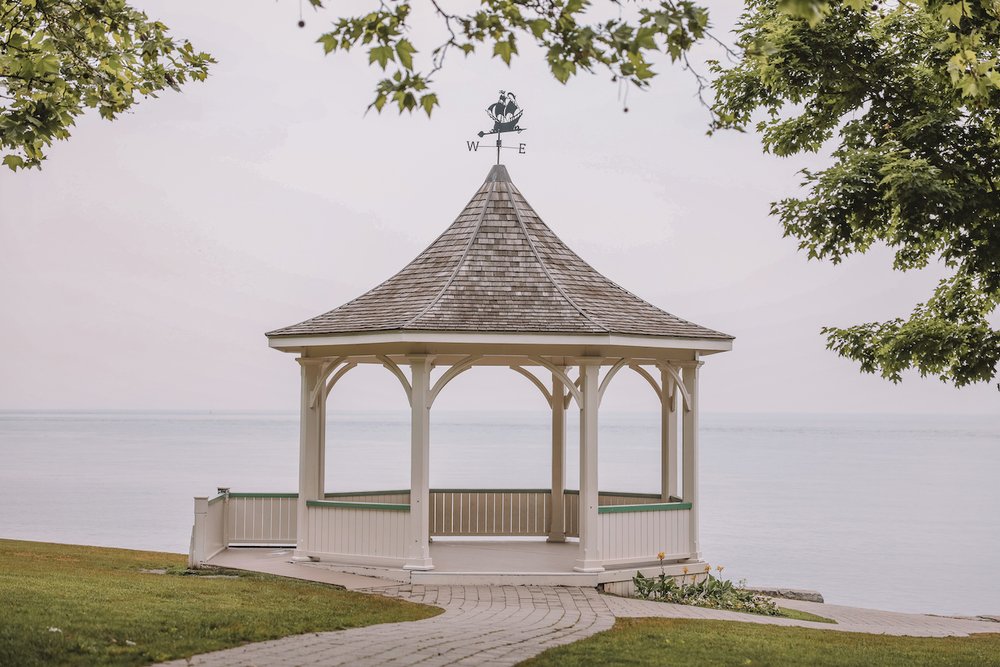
column 497, row 288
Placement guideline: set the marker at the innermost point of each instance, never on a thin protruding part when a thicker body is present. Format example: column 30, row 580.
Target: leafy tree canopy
column 59, row 57
column 908, row 95
column 573, row 41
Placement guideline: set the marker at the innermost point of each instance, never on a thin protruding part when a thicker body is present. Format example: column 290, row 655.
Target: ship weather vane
column 506, row 115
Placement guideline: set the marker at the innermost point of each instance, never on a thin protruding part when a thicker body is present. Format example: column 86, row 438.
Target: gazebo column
column 589, row 559
column 311, row 446
column 668, row 436
column 557, row 523
column 418, row 552
column 690, row 378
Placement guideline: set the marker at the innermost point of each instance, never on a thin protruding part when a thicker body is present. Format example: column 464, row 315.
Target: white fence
column 208, row 535
column 368, row 533
column 371, row 526
column 514, row 512
column 261, row 518
column 638, row 533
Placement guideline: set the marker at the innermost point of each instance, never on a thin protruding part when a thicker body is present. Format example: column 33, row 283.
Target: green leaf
column 428, row 102
column 538, row 27
column 812, row 11
column 13, row 162
column 380, row 54
column 48, row 64
column 953, row 13
column 505, row 50
column 405, row 52
column 329, row 41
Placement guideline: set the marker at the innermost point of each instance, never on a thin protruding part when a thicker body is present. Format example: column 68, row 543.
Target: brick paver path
column 481, row 625
column 503, row 625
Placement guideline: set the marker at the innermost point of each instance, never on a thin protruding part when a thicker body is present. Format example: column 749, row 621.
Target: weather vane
column 506, row 115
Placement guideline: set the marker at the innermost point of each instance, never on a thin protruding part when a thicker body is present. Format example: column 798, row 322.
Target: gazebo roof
column 499, row 269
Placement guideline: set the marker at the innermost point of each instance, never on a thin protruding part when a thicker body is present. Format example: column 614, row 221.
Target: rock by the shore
column 788, row 593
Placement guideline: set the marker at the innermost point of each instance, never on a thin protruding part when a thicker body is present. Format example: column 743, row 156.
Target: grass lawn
column 681, row 642
column 108, row 612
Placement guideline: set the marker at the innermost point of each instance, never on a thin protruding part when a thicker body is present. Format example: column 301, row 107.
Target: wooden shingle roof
column 499, row 268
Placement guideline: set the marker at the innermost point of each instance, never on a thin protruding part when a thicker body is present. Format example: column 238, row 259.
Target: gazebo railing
column 490, row 512
column 367, row 532
column 372, row 524
column 630, row 533
column 208, row 535
column 262, row 518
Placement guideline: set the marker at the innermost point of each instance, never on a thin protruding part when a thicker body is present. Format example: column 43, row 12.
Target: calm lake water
column 884, row 511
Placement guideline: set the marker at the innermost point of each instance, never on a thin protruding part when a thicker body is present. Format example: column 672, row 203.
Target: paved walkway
column 503, row 625
column 481, row 625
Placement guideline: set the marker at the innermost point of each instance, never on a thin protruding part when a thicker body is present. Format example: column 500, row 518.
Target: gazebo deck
column 458, row 562
column 479, row 536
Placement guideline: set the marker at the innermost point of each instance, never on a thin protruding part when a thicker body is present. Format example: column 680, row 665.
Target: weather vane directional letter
column 506, row 116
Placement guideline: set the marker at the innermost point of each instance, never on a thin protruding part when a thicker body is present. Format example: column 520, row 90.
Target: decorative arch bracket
column 325, row 371
column 451, row 374
column 336, row 376
column 397, row 371
column 620, row 364
column 672, row 371
column 535, row 381
column 648, row 378
column 574, row 390
column 567, row 397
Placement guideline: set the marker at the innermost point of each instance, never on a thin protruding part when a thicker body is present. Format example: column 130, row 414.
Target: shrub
column 711, row 591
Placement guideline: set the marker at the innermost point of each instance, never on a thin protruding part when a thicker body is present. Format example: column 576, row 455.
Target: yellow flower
column 719, row 568
column 708, row 568
column 685, row 570
column 661, row 556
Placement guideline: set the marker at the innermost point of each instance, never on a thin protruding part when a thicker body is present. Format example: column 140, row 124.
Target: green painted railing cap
column 342, row 494
column 354, row 505
column 648, row 507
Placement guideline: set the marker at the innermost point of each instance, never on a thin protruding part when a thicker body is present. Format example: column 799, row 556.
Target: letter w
column 473, row 145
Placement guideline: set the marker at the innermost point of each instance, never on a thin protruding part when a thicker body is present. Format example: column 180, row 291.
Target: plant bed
column 703, row 589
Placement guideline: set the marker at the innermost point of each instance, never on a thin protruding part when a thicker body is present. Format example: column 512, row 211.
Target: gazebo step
column 577, row 579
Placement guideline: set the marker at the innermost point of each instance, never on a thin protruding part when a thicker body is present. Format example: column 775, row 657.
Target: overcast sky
column 143, row 264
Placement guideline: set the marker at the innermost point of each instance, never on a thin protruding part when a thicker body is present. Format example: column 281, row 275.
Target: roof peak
column 498, row 268
column 498, row 174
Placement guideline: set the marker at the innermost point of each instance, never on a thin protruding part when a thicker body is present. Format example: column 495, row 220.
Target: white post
column 321, row 466
column 557, row 522
column 668, row 437
column 310, row 454
column 690, row 378
column 199, row 533
column 418, row 552
column 589, row 559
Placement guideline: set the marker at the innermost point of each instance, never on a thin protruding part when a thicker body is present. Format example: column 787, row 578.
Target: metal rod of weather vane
column 499, row 143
